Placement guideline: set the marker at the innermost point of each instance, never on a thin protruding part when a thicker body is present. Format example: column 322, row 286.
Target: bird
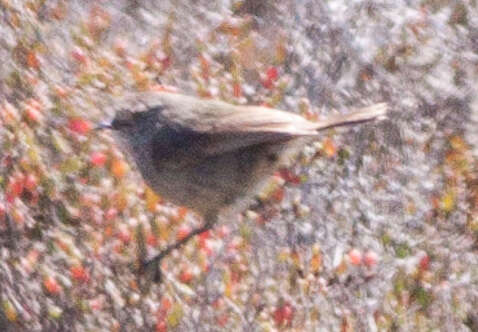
column 209, row 155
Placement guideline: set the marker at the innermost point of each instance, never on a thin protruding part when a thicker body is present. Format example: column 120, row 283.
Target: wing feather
column 223, row 127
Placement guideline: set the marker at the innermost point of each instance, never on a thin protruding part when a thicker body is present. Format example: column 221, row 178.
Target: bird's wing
column 221, row 127
column 214, row 116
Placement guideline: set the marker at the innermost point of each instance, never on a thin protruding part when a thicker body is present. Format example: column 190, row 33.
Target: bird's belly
column 218, row 181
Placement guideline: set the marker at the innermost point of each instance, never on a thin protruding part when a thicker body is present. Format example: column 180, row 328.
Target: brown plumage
column 209, row 155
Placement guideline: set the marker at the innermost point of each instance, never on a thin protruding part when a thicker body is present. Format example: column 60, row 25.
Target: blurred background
column 373, row 229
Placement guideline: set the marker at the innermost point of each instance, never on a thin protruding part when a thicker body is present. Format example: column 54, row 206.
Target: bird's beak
column 103, row 125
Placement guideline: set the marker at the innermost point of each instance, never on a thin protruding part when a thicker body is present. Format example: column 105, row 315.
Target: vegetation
column 375, row 229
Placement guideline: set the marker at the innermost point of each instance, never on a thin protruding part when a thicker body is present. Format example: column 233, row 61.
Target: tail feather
column 369, row 113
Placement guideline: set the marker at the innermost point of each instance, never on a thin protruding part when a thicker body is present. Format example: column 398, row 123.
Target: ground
column 371, row 229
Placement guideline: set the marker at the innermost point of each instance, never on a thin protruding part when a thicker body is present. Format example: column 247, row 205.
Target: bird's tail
column 369, row 113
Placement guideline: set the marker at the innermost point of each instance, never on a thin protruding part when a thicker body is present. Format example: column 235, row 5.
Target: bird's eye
column 121, row 123
column 148, row 114
column 138, row 116
column 123, row 119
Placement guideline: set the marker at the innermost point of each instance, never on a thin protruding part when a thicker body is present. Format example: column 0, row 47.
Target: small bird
column 209, row 155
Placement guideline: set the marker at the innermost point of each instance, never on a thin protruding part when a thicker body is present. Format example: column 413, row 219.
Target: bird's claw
column 153, row 264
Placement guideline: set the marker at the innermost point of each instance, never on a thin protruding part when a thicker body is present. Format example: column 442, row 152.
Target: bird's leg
column 209, row 222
